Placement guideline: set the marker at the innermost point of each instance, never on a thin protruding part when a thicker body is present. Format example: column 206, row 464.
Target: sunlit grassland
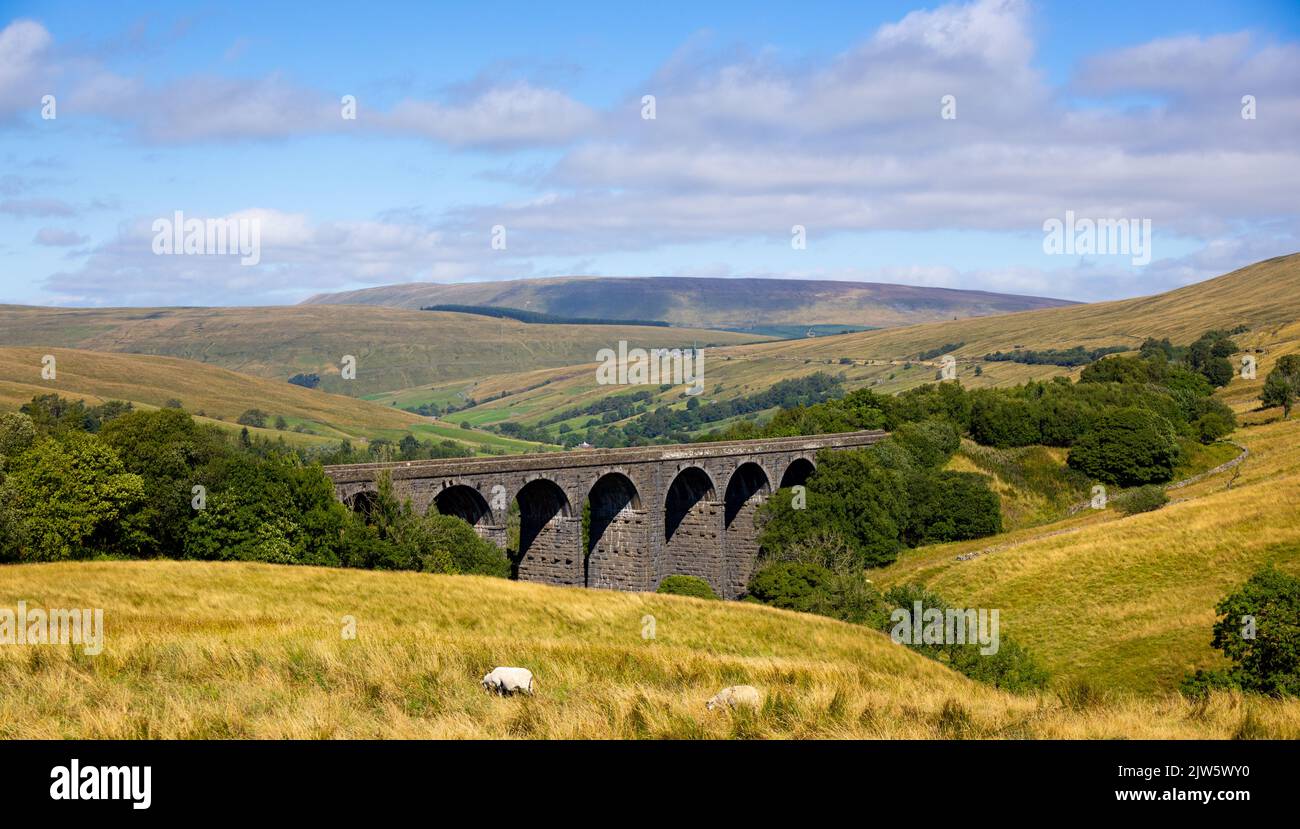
column 248, row 650
column 221, row 396
column 1128, row 602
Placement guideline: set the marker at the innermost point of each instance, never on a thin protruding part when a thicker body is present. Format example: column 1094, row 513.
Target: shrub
column 679, row 585
column 1143, row 499
column 1012, row 667
column 931, row 442
column 253, row 417
column 793, row 585
column 1211, row 426
column 1128, row 446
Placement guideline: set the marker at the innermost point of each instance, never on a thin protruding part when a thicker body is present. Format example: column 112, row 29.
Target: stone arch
column 747, row 481
column 797, row 473
column 748, row 488
column 468, row 504
column 465, row 502
column 617, row 549
column 549, row 535
column 363, row 501
column 692, row 528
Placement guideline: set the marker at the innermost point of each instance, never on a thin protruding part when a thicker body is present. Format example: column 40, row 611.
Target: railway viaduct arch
column 656, row 511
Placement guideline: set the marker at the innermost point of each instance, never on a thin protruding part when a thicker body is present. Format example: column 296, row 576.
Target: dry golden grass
column 202, row 650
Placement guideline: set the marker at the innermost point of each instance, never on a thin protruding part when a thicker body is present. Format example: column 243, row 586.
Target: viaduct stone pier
column 655, row 511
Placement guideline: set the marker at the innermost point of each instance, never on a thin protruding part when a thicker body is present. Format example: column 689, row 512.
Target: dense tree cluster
column 883, row 498
column 307, row 381
column 79, row 482
column 1208, row 356
column 1127, row 417
column 1069, row 357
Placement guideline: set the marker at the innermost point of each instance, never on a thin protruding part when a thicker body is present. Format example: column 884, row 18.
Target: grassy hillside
column 394, row 348
column 1264, row 296
column 706, row 302
column 220, row 395
column 1128, row 602
column 245, row 650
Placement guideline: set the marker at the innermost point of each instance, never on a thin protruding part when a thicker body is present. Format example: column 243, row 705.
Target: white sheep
column 507, row 681
column 736, row 695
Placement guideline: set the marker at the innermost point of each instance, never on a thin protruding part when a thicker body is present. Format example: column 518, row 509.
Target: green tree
column 853, row 493
column 1218, row 371
column 69, row 497
column 1002, row 421
column 1260, row 633
column 1212, row 426
column 1282, row 386
column 170, row 452
column 17, row 434
column 1127, row 446
column 792, row 585
column 951, row 506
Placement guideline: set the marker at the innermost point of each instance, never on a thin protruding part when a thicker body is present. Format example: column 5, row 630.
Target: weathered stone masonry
column 655, row 511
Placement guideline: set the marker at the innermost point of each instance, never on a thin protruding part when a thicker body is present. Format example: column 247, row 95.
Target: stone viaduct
column 655, row 511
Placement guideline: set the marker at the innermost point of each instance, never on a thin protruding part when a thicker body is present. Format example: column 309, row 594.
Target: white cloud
column 515, row 115
column 744, row 146
column 23, row 47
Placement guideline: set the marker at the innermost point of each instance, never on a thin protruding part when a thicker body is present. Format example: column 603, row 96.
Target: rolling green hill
column 706, row 302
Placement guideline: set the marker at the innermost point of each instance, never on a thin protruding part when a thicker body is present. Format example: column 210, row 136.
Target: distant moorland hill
column 705, row 302
column 395, row 348
column 1263, row 297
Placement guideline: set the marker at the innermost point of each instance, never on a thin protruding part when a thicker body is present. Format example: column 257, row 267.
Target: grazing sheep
column 507, row 681
column 736, row 695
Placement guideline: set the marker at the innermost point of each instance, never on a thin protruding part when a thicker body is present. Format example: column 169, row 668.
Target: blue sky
column 529, row 117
